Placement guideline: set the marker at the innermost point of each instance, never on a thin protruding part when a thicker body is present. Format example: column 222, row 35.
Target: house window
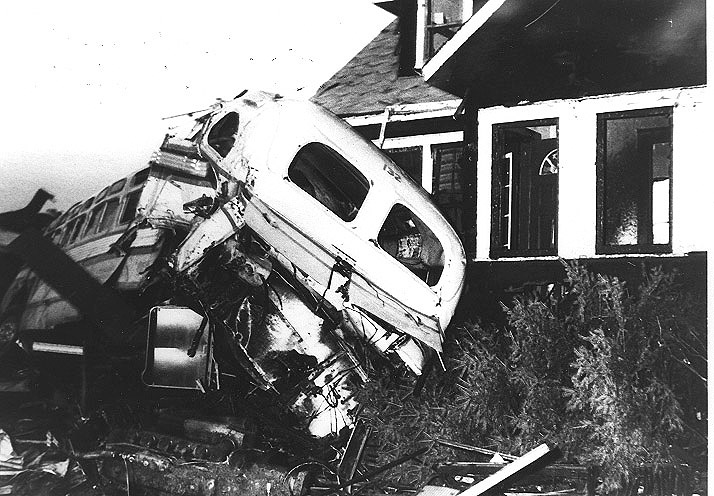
column 634, row 167
column 443, row 19
column 524, row 217
column 446, row 182
column 329, row 178
column 409, row 240
column 409, row 160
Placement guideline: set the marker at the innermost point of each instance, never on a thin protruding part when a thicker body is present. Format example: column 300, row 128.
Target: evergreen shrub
column 615, row 376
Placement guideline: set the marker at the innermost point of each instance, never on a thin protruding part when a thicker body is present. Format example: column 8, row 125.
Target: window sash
column 508, row 200
column 647, row 187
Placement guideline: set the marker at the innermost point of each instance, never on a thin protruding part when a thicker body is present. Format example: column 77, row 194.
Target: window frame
column 355, row 172
column 408, row 149
column 106, row 228
column 393, row 258
column 79, row 226
column 601, row 248
column 495, row 250
column 91, row 225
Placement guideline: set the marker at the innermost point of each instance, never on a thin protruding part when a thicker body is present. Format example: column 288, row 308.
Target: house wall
column 577, row 124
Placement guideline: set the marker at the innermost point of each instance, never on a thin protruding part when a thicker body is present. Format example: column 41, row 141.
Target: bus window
column 330, row 179
column 102, row 193
column 73, row 209
column 94, row 217
column 79, row 224
column 132, row 200
column 140, row 177
column 222, row 135
column 117, row 186
column 56, row 236
column 68, row 232
column 405, row 237
column 110, row 214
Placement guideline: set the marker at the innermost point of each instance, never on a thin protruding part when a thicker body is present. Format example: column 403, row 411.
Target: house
column 380, row 93
column 588, row 121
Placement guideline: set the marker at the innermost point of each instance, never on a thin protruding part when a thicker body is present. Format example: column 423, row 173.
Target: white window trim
column 577, row 131
column 425, row 141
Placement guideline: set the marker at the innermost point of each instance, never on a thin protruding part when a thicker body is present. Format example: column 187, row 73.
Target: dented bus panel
column 293, row 245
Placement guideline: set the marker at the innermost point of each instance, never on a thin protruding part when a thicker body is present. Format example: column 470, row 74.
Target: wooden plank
column 578, row 472
column 101, row 305
column 509, row 472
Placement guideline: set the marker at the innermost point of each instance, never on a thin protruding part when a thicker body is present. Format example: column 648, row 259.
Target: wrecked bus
column 266, row 247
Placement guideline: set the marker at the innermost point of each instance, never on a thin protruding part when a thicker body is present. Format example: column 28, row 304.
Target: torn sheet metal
column 298, row 243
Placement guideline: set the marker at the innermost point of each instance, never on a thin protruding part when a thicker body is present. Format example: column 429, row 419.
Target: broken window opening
column 140, row 177
column 409, row 240
column 78, row 225
column 634, row 181
column 94, row 217
column 329, row 178
column 56, row 236
column 524, row 217
column 67, row 232
column 103, row 193
column 222, row 135
column 110, row 215
column 117, row 186
column 132, row 200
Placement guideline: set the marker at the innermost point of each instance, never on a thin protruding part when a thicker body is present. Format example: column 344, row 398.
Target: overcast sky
column 86, row 84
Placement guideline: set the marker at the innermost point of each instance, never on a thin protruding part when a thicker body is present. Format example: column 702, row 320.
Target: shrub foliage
column 615, row 376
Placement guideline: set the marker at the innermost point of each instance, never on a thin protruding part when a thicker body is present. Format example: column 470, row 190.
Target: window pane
column 446, row 182
column 525, row 189
column 94, row 216
column 68, row 232
column 636, row 167
column 110, row 215
column 117, row 186
column 140, row 177
column 102, row 193
column 79, row 224
column 330, row 179
column 132, row 200
column 409, row 160
column 406, row 238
